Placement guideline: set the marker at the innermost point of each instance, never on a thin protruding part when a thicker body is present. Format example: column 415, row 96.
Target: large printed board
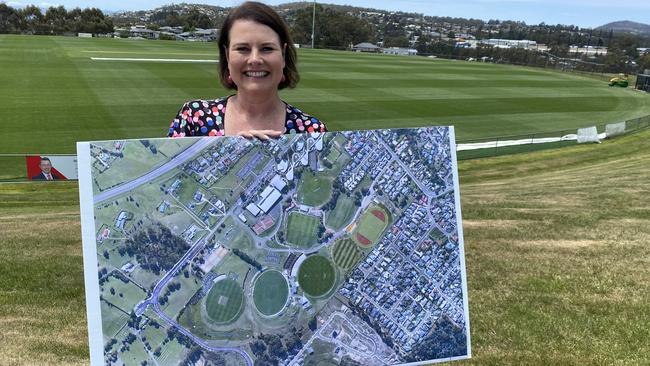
column 313, row 249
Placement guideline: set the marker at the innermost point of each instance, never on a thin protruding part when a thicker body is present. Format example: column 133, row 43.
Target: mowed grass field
column 556, row 244
column 53, row 94
column 316, row 276
column 224, row 302
column 270, row 292
column 346, row 253
column 302, row 229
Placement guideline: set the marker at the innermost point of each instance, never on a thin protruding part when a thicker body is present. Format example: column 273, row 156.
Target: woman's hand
column 262, row 135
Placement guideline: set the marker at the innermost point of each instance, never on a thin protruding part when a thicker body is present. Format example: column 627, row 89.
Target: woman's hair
column 263, row 14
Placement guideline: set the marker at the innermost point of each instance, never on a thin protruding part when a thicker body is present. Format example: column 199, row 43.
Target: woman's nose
column 255, row 57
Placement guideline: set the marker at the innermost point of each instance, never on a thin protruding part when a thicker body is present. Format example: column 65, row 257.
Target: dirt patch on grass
column 499, row 224
column 563, row 243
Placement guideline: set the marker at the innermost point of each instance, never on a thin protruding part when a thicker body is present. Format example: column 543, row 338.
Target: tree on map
column 293, row 341
column 347, row 361
column 193, row 356
column 446, row 340
column 258, row 347
column 213, row 359
column 313, row 325
column 156, row 248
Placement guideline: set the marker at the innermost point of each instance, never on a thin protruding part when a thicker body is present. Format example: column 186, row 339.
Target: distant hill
column 169, row 14
column 628, row 27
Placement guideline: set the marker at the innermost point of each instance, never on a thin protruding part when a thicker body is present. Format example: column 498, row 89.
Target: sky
column 584, row 13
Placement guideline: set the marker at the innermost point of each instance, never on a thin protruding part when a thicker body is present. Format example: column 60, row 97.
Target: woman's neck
column 255, row 106
column 247, row 111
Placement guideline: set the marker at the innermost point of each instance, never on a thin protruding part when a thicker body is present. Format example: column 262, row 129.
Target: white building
column 121, row 220
column 278, row 183
column 365, row 47
column 270, row 200
column 509, row 43
column 399, row 51
column 253, row 209
column 588, row 50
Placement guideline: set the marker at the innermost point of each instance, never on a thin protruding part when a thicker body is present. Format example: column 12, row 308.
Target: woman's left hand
column 262, row 135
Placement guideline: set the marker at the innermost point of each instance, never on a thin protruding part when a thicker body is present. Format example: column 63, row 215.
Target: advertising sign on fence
column 615, row 129
column 51, row 167
column 588, row 134
column 224, row 251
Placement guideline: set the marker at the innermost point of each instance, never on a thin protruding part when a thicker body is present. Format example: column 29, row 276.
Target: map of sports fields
column 314, row 249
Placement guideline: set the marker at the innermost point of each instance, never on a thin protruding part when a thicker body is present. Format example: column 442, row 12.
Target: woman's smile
column 255, row 58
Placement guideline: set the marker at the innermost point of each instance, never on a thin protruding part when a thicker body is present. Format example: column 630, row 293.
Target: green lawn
column 177, row 299
column 302, row 229
column 113, row 319
column 173, row 353
column 270, row 292
column 137, row 161
column 314, row 190
column 342, row 213
column 126, row 295
column 155, row 336
column 135, row 354
column 53, row 83
column 316, row 276
column 225, row 301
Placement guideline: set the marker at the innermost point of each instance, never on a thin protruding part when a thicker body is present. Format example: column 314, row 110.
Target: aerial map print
column 340, row 248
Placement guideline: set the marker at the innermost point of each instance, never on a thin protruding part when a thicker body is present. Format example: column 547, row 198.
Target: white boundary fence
column 13, row 166
column 503, row 145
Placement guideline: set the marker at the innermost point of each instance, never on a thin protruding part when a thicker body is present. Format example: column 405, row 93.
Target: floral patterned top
column 207, row 118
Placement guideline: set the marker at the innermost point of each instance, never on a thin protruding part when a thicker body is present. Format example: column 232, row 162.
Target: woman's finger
column 262, row 135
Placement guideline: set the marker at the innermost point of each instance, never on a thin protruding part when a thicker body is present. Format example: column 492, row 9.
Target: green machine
column 621, row 80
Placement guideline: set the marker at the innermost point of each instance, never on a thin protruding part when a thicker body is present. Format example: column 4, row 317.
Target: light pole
column 313, row 24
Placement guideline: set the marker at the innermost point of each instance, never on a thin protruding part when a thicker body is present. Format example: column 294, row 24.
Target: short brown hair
column 263, row 14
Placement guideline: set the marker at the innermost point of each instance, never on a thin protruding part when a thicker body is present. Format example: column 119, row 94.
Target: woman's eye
column 241, row 49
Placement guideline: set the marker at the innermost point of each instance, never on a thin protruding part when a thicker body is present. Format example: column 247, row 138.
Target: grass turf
column 316, row 276
column 224, row 302
column 314, row 190
column 556, row 247
column 270, row 292
column 342, row 213
column 64, row 96
column 302, row 230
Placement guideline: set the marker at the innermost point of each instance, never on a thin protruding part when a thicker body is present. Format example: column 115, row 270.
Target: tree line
column 56, row 20
column 341, row 27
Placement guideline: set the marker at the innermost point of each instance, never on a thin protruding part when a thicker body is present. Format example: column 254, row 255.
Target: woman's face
column 255, row 57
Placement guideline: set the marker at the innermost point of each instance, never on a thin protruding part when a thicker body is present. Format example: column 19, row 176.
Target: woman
column 256, row 58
